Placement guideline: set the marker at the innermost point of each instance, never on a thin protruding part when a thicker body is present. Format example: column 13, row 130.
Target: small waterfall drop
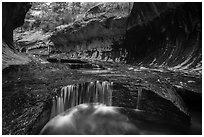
column 139, row 97
column 88, row 92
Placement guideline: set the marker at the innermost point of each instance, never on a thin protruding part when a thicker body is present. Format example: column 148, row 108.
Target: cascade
column 89, row 92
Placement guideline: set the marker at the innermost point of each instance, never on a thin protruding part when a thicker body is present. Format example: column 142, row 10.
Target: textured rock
column 144, row 12
column 165, row 36
column 9, row 57
column 13, row 14
column 13, row 17
column 95, row 36
column 158, row 34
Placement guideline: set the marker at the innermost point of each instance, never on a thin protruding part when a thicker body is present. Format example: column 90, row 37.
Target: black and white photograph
column 101, row 68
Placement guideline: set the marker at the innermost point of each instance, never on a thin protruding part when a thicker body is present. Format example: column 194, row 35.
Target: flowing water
column 153, row 114
column 89, row 92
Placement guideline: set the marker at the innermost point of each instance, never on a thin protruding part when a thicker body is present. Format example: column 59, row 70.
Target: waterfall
column 139, row 97
column 88, row 92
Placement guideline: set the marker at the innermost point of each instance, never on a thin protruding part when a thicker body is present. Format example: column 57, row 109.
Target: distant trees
column 46, row 16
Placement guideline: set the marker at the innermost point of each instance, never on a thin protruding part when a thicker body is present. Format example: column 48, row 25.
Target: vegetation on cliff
column 46, row 16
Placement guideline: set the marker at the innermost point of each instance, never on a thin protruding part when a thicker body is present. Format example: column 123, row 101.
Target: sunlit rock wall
column 13, row 14
column 157, row 34
column 166, row 35
column 95, row 38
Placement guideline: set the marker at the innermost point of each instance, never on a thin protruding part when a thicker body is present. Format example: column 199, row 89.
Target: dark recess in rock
column 53, row 60
column 171, row 38
column 71, row 61
column 192, row 100
column 13, row 15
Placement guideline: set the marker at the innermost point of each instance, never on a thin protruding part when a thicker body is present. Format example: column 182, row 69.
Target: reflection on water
column 88, row 92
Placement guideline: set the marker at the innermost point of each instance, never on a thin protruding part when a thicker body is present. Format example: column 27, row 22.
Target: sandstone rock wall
column 13, row 14
column 96, row 36
column 13, row 17
column 156, row 34
column 165, row 35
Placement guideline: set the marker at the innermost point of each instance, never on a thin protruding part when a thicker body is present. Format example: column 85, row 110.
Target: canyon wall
column 155, row 34
column 92, row 39
column 13, row 14
column 166, row 35
column 96, row 36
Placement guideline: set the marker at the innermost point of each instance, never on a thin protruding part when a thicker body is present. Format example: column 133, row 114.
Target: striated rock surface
column 166, row 35
column 9, row 57
column 93, row 37
column 13, row 14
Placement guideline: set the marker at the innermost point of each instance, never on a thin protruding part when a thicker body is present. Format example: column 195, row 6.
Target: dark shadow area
column 53, row 60
column 194, row 103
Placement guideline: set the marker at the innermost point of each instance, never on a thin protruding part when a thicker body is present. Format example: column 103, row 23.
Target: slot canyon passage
column 102, row 68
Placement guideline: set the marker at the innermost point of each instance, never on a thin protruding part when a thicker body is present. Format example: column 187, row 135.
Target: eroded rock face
column 158, row 34
column 13, row 14
column 144, row 12
column 165, row 35
column 13, row 17
column 93, row 38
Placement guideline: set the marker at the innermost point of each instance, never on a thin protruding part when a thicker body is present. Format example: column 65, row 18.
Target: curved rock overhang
column 13, row 14
column 161, row 34
column 166, row 35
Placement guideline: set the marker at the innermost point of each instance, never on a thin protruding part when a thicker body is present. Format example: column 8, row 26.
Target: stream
column 137, row 105
column 127, row 89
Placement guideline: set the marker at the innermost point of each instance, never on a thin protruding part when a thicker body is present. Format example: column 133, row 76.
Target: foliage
column 46, row 16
